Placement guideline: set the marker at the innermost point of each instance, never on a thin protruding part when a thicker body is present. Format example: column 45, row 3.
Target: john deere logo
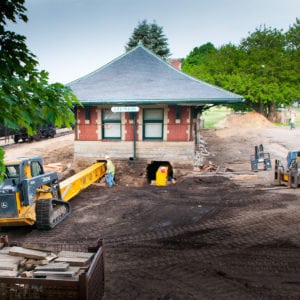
column 4, row 204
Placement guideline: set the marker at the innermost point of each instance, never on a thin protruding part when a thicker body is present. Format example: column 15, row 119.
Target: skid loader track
column 50, row 212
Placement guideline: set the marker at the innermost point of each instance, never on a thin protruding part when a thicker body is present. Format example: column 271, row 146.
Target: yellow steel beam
column 76, row 183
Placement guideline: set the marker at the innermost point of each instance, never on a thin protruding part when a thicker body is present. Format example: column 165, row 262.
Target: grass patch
column 214, row 115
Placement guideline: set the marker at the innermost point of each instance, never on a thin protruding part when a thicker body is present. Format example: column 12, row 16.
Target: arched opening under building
column 154, row 166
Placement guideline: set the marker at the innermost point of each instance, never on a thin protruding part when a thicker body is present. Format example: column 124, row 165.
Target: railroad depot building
column 139, row 107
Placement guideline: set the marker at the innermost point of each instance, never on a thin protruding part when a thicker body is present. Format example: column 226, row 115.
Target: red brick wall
column 80, row 116
column 128, row 126
column 87, row 131
column 178, row 131
column 175, row 63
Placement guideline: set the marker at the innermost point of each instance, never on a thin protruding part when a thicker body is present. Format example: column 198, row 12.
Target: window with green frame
column 111, row 122
column 87, row 114
column 153, row 123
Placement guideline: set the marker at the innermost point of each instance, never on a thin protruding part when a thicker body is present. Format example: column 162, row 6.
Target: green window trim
column 178, row 113
column 111, row 125
column 87, row 114
column 153, row 124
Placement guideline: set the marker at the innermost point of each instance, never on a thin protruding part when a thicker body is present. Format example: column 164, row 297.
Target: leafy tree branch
column 26, row 97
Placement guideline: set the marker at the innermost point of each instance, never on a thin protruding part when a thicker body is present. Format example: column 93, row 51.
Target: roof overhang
column 185, row 102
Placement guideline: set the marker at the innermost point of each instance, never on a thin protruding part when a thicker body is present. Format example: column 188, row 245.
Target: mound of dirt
column 247, row 120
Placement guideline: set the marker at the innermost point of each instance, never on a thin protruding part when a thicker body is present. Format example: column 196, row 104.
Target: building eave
column 190, row 102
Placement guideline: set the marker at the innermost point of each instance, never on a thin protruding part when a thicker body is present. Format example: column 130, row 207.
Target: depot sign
column 125, row 109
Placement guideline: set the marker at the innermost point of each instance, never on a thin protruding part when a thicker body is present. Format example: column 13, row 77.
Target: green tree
column 293, row 36
column 152, row 37
column 197, row 63
column 26, row 97
column 263, row 68
column 266, row 62
column 198, row 56
column 293, row 51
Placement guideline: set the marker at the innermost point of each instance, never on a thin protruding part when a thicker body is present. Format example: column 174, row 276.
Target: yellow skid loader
column 290, row 174
column 29, row 196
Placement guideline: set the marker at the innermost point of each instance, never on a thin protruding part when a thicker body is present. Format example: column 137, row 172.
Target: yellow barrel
column 162, row 176
column 298, row 162
column 286, row 177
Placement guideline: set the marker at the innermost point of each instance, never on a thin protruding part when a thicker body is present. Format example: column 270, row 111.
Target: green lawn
column 215, row 114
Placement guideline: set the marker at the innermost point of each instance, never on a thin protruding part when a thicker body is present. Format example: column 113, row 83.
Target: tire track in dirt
column 214, row 246
column 202, row 238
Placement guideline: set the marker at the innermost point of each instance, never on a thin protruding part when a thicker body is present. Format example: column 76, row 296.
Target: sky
column 72, row 38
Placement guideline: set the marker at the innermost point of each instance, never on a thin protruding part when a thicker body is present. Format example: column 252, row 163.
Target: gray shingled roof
column 140, row 77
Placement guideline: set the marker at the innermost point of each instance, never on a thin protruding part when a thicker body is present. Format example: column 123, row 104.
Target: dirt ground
column 229, row 233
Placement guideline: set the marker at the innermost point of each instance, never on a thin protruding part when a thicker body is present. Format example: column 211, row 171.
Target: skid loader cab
column 289, row 174
column 293, row 160
column 30, row 196
column 19, row 174
column 24, row 167
column 25, row 182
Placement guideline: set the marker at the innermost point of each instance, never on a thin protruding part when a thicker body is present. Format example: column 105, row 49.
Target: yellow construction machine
column 289, row 174
column 29, row 196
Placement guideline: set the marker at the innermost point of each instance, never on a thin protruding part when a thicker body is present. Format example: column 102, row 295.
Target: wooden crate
column 89, row 285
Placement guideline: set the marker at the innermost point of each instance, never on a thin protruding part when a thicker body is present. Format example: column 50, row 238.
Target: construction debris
column 28, row 253
column 71, row 272
column 55, row 167
column 53, row 267
column 24, row 262
column 211, row 167
column 73, row 261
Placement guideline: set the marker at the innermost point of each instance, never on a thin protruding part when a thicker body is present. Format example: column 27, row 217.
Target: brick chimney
column 175, row 62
